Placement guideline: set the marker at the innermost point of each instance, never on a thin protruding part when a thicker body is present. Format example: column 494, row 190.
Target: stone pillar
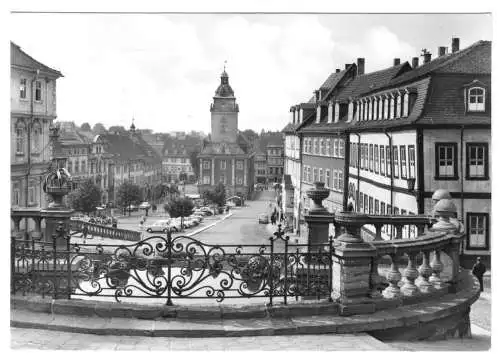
column 319, row 219
column 233, row 172
column 352, row 265
column 212, row 182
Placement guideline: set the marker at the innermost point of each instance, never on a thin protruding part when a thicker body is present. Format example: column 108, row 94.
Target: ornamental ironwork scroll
column 173, row 268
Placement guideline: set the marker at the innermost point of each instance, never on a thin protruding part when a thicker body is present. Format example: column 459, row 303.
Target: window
column 315, row 174
column 336, row 147
column 20, row 140
column 361, row 204
column 321, row 179
column 223, row 164
column 341, row 148
column 386, row 108
column 476, row 99
column 477, row 161
column 38, row 91
column 206, row 165
column 365, row 200
column 382, row 160
column 31, row 195
column 396, row 161
column 323, row 147
column 380, row 109
column 309, row 174
column 388, row 160
column 206, row 180
column 305, row 174
column 371, row 157
column 239, row 165
column 329, row 151
column 370, row 205
column 70, row 166
column 364, row 156
column 335, row 179
column 223, row 178
column 411, row 161
column 327, row 178
column 36, row 134
column 377, row 207
column 316, row 146
column 375, row 159
column 398, row 106
column 22, row 89
column 391, row 108
column 239, row 180
column 402, row 150
column 477, row 231
column 341, row 180
column 84, row 166
column 446, row 161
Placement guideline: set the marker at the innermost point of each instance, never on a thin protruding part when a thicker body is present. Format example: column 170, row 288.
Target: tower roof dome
column 224, row 89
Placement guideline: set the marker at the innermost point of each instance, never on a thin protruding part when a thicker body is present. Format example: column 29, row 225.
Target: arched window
column 476, row 99
column 36, row 134
column 20, row 133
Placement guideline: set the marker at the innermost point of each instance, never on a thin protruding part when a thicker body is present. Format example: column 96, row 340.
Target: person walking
column 85, row 232
column 478, row 270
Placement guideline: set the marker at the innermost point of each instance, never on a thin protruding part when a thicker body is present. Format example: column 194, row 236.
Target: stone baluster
column 37, row 233
column 378, row 232
column 411, row 274
column 375, row 279
column 425, row 271
column 318, row 219
column 437, row 268
column 17, row 227
column 393, row 277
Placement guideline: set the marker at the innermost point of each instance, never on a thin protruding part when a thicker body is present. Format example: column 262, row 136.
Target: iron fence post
column 54, row 268
column 169, row 269
column 330, row 273
column 12, row 264
column 270, row 275
column 68, row 262
column 285, row 282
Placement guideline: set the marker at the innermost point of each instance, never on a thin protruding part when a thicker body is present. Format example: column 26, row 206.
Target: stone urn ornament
column 57, row 184
column 317, row 195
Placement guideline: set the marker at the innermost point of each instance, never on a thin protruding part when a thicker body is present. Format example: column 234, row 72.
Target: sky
column 163, row 69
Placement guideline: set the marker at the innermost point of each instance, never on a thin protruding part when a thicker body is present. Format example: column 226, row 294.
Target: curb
column 209, row 226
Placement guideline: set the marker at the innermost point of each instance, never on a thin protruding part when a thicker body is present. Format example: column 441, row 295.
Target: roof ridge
column 36, row 61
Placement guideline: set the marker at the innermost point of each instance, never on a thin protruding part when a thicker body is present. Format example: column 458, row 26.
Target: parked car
column 145, row 205
column 263, row 219
column 159, row 226
column 132, row 208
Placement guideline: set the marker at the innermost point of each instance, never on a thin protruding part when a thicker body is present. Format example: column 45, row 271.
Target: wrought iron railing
column 174, row 268
column 104, row 231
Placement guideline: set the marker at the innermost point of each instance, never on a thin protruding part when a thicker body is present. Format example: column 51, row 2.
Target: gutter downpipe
column 392, row 172
column 462, row 176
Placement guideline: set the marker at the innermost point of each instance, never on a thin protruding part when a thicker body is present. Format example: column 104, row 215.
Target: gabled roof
column 371, row 81
column 125, row 148
column 475, row 59
column 21, row 59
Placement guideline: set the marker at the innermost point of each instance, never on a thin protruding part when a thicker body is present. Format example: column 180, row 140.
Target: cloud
column 164, row 69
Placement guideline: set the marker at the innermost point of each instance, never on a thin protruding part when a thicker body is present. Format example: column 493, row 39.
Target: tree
column 99, row 128
column 86, row 197
column 128, row 194
column 195, row 162
column 117, row 129
column 217, row 195
column 179, row 207
column 85, row 127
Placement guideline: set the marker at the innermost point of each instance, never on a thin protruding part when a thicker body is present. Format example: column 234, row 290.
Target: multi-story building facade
column 76, row 148
column 428, row 129
column 226, row 158
column 275, row 160
column 176, row 163
column 33, row 109
column 260, row 164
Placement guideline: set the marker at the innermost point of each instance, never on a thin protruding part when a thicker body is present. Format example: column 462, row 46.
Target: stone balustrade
column 105, row 231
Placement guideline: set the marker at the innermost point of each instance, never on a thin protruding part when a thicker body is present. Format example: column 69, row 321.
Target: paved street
column 243, row 226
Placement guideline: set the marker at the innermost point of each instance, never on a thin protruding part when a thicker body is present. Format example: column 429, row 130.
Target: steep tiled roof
column 475, row 59
column 186, row 145
column 371, row 81
column 19, row 58
column 123, row 147
column 333, row 80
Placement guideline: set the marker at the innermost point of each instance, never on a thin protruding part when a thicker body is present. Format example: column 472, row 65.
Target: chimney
column 455, row 45
column 427, row 57
column 414, row 62
column 347, row 65
column 337, row 70
column 361, row 66
column 397, row 61
column 441, row 51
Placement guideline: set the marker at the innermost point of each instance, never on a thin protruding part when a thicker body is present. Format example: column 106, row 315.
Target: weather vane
column 225, row 62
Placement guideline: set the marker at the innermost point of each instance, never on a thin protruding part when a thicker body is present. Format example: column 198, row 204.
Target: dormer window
column 398, row 105
column 318, row 114
column 330, row 112
column 337, row 112
column 476, row 99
